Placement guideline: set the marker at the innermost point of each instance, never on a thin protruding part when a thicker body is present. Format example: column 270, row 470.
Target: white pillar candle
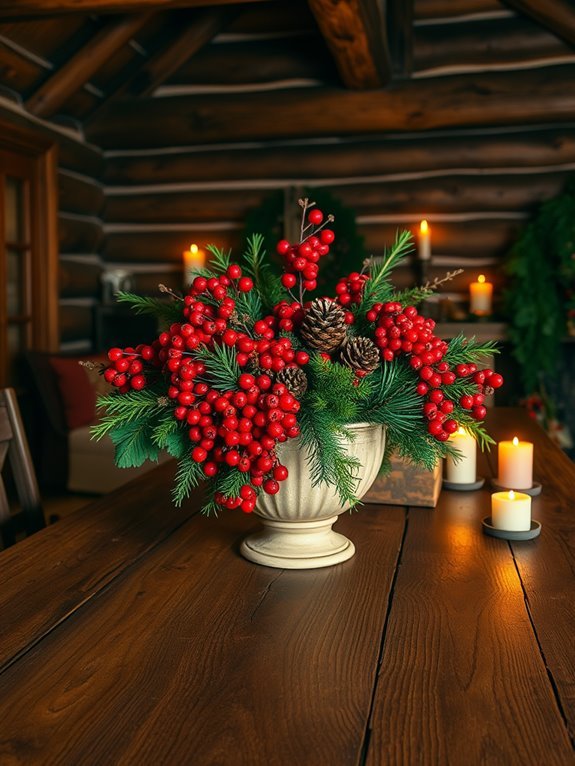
column 515, row 464
column 194, row 259
column 511, row 511
column 480, row 296
column 463, row 470
column 424, row 250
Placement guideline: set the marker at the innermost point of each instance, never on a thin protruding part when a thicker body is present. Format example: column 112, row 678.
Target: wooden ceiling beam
column 56, row 90
column 557, row 16
column 197, row 32
column 9, row 9
column 475, row 100
column 355, row 31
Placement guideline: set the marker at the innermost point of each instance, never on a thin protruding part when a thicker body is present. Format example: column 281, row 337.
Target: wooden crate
column 406, row 484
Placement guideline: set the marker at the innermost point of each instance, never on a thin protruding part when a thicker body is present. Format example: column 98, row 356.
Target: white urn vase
column 297, row 522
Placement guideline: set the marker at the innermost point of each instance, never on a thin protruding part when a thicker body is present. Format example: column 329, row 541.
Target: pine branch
column 169, row 435
column 188, row 476
column 462, row 350
column 222, row 368
column 230, row 482
column 165, row 311
column 127, row 408
column 220, row 260
column 267, row 284
column 134, row 444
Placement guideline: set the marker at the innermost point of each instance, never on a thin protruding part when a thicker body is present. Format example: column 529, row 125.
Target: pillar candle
column 515, row 464
column 511, row 511
column 480, row 296
column 194, row 259
column 463, row 470
column 424, row 251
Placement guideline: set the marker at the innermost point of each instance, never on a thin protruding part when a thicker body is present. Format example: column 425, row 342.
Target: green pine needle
column 188, row 476
column 220, row 259
column 166, row 311
column 222, row 368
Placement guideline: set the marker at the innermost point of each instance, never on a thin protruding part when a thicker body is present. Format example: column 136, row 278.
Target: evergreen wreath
column 541, row 294
column 247, row 362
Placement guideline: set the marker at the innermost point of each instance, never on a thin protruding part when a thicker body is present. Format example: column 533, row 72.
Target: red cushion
column 77, row 391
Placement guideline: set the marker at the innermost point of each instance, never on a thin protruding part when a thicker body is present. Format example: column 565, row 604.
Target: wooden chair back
column 14, row 445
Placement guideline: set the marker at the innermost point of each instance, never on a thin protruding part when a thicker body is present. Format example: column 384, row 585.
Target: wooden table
column 134, row 633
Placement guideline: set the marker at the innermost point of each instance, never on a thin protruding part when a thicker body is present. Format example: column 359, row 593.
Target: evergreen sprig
column 188, row 475
column 462, row 350
column 222, row 368
column 220, row 259
column 256, row 266
column 165, row 311
column 122, row 409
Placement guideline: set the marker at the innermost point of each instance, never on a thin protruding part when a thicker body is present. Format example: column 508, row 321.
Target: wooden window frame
column 42, row 152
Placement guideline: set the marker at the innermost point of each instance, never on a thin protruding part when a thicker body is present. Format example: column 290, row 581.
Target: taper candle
column 424, row 251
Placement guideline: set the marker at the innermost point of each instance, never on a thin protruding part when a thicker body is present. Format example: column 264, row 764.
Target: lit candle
column 194, row 259
column 511, row 511
column 424, row 241
column 480, row 295
column 463, row 470
column 515, row 464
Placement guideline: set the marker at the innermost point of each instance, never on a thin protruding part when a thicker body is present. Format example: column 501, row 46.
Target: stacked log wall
column 474, row 141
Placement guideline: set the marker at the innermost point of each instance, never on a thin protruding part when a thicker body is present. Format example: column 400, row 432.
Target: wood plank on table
column 462, row 679
column 547, row 565
column 45, row 578
column 198, row 656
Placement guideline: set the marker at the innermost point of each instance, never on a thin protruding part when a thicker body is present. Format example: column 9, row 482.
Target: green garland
column 540, row 295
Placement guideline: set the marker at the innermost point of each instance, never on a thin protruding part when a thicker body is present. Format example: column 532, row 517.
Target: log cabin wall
column 200, row 113
column 479, row 134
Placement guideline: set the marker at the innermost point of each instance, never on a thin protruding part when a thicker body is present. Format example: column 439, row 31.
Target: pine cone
column 323, row 326
column 360, row 354
column 294, row 379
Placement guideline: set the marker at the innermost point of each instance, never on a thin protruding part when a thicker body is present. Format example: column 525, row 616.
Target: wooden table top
column 134, row 633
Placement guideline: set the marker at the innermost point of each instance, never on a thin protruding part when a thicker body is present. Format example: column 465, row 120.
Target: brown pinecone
column 323, row 326
column 294, row 379
column 360, row 354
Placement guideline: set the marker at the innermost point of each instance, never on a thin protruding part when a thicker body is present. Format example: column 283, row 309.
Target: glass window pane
column 14, row 195
column 15, row 282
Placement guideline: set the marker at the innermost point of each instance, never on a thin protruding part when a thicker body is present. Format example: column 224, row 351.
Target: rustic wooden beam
column 493, row 42
column 30, row 8
column 382, row 157
column 355, row 32
column 54, row 92
column 193, row 35
column 400, row 35
column 495, row 98
column 438, row 9
column 558, row 16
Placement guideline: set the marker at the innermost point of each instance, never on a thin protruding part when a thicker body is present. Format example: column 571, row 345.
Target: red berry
column 327, row 236
column 114, row 354
column 283, row 247
column 280, row 473
column 271, row 487
column 479, row 412
column 315, row 216
column 245, row 284
column 450, row 426
column 288, row 280
column 234, row 271
column 199, row 454
column 496, row 380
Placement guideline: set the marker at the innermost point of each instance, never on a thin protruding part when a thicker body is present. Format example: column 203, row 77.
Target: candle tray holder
column 508, row 534
column 533, row 491
column 458, row 487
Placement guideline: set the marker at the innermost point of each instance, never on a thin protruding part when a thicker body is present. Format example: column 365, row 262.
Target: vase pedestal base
column 297, row 544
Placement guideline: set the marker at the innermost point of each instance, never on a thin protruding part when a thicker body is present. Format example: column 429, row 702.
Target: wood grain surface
column 133, row 633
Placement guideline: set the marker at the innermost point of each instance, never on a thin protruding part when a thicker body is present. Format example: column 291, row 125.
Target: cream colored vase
column 297, row 522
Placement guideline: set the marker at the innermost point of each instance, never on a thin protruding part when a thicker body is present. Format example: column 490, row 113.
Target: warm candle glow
column 462, row 470
column 511, row 494
column 424, row 251
column 460, row 430
column 480, row 296
column 511, row 511
column 515, row 464
column 194, row 259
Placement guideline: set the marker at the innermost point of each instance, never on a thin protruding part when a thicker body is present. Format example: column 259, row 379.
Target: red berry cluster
column 126, row 371
column 403, row 331
column 239, row 428
column 303, row 258
column 350, row 289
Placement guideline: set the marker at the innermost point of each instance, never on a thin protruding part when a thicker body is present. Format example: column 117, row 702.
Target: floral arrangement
column 247, row 361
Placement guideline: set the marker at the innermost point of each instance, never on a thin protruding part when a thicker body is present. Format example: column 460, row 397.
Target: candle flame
column 511, row 494
column 424, row 227
column 461, row 431
column 193, row 249
column 515, row 441
column 481, row 278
